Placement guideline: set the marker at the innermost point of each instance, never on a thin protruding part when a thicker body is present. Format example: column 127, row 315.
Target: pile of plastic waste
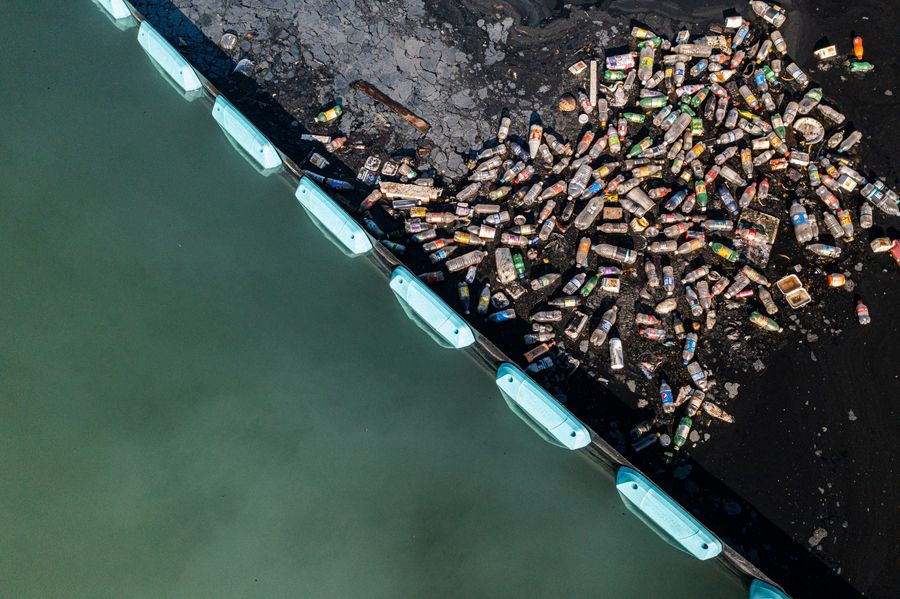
column 665, row 207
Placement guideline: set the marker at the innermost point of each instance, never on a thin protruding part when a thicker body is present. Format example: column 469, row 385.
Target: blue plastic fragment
column 541, row 407
column 248, row 137
column 117, row 9
column 168, row 58
column 763, row 590
column 679, row 527
column 337, row 222
column 431, row 309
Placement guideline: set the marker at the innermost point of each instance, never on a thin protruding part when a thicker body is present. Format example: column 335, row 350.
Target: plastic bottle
column 536, row 352
column 615, row 253
column 690, row 346
column 668, row 272
column 519, row 264
column 652, row 276
column 693, row 301
column 764, row 322
column 328, row 115
column 768, row 303
column 616, row 354
column 663, row 247
column 579, row 181
column 503, row 131
column 647, row 320
column 589, row 213
column 506, row 270
column 646, row 441
column 800, row 221
column 824, row 250
column 665, row 396
column 434, row 257
column 543, row 364
column 502, row 315
column 862, row 312
column 836, row 280
column 574, row 283
column 645, row 64
column 846, row 223
column 576, row 325
column 652, row 333
column 464, row 261
column 589, row 285
column 566, row 301
column 725, row 252
column 641, row 429
column 697, row 375
column 689, row 247
column 682, row 432
column 678, row 326
column 598, row 337
column 858, row 47
column 545, row 281
column 865, row 216
column 484, row 299
column 547, row 316
column 464, row 299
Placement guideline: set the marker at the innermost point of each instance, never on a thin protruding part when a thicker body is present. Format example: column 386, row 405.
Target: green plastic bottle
column 326, row 116
column 764, row 322
column 682, row 431
column 653, row 102
column 519, row 264
column 724, row 251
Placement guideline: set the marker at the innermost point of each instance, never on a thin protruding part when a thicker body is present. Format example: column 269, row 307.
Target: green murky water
column 201, row 397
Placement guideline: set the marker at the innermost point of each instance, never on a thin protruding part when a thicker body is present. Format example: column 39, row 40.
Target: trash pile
column 663, row 210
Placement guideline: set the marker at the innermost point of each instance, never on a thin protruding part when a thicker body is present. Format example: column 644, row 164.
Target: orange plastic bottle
column 858, row 47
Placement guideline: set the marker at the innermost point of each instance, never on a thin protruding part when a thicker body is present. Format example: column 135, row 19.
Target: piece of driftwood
column 371, row 91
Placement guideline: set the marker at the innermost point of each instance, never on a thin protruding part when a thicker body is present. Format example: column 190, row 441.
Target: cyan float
column 168, row 59
column 245, row 135
column 541, row 407
column 332, row 217
column 430, row 309
column 671, row 521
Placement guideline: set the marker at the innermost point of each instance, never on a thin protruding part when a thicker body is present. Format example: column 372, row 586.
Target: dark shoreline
column 702, row 491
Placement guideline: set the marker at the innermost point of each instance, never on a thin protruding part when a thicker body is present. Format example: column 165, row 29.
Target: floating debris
column 656, row 221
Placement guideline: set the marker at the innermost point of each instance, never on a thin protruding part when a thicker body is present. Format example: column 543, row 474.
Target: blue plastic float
column 541, row 407
column 764, row 590
column 245, row 135
column 327, row 213
column 668, row 519
column 430, row 309
column 168, row 58
column 117, row 9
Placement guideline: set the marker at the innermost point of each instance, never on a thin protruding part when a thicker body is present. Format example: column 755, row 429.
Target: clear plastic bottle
column 598, row 337
column 800, row 221
column 697, row 375
column 824, row 250
column 579, row 181
column 464, row 261
column 615, row 253
column 616, row 354
column 589, row 213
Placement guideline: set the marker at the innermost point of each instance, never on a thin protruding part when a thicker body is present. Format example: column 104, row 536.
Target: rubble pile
column 632, row 241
